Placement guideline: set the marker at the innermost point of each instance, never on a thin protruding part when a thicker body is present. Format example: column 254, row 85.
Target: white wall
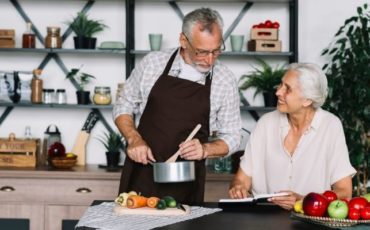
column 318, row 22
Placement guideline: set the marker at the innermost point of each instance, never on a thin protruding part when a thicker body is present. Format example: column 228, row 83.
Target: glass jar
column 61, row 97
column 102, row 95
column 53, row 39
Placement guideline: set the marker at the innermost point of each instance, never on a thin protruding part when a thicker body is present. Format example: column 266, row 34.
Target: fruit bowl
column 327, row 221
column 63, row 162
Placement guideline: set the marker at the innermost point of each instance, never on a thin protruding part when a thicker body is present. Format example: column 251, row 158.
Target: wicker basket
column 329, row 222
column 63, row 162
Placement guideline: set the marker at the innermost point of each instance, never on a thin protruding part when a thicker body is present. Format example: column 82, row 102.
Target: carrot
column 152, row 202
column 136, row 201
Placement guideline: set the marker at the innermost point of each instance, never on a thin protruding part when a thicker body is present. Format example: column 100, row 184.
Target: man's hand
column 139, row 151
column 286, row 202
column 192, row 150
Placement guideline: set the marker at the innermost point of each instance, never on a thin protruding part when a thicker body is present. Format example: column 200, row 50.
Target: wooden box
column 7, row 38
column 264, row 34
column 18, row 152
column 264, row 46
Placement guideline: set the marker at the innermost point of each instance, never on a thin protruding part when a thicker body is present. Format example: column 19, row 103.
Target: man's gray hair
column 313, row 82
column 205, row 16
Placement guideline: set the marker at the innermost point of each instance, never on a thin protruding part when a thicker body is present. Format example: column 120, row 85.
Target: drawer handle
column 83, row 190
column 7, row 189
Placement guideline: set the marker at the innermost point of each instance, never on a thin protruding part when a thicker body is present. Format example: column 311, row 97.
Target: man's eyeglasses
column 205, row 53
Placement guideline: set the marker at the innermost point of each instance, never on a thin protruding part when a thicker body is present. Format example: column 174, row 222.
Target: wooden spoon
column 173, row 158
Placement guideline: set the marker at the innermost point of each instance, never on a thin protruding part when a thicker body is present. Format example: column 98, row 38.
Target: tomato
column 354, row 214
column 268, row 24
column 276, row 25
column 365, row 213
column 261, row 25
column 255, row 26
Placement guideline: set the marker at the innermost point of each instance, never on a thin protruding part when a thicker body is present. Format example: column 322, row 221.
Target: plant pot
column 112, row 159
column 83, row 97
column 270, row 99
column 84, row 42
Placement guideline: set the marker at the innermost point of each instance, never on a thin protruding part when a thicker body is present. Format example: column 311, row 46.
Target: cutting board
column 151, row 211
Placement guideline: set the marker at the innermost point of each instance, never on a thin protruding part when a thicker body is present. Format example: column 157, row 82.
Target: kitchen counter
column 254, row 218
column 48, row 197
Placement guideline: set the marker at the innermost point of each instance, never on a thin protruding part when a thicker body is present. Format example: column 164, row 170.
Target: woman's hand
column 286, row 202
column 238, row 191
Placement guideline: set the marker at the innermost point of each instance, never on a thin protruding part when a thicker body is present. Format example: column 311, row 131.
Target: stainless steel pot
column 181, row 171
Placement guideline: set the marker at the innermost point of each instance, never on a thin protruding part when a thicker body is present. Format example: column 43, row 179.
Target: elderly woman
column 298, row 148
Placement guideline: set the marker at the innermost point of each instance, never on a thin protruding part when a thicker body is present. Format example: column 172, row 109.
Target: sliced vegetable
column 136, row 201
column 122, row 199
column 152, row 202
column 170, row 201
column 161, row 204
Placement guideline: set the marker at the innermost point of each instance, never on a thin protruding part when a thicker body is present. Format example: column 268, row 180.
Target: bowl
column 63, row 162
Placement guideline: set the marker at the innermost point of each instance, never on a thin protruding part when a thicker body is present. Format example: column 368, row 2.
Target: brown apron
column 175, row 106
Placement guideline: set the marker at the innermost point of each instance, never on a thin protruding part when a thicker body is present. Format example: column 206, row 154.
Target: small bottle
column 53, row 39
column 61, row 97
column 36, row 87
column 27, row 133
column 28, row 38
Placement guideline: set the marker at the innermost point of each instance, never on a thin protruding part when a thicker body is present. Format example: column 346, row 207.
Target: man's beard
column 198, row 66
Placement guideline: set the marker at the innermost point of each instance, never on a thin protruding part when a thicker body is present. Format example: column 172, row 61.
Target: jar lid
column 102, row 89
column 53, row 29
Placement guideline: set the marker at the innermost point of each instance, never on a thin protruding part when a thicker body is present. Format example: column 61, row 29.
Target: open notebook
column 256, row 198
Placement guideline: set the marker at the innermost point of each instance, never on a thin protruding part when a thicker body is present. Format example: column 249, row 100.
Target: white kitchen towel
column 103, row 217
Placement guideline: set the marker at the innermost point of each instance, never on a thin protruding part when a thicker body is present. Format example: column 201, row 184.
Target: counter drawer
column 58, row 191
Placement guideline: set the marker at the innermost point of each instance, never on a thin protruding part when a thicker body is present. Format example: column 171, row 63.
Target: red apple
column 354, row 214
column 357, row 202
column 365, row 213
column 330, row 195
column 315, row 204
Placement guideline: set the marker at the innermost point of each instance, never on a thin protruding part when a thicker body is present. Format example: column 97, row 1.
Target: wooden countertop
column 84, row 172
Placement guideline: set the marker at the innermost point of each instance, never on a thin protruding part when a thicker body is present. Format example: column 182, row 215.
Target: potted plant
column 265, row 80
column 113, row 144
column 80, row 80
column 348, row 72
column 85, row 28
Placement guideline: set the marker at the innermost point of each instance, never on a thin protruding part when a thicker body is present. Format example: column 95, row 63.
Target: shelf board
column 256, row 108
column 257, row 1
column 231, row 53
column 87, row 51
column 63, row 106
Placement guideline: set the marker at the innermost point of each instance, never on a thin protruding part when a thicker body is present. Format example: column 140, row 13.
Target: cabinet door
column 55, row 214
column 215, row 190
column 33, row 212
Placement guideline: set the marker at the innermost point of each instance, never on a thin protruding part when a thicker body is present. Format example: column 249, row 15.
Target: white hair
column 313, row 82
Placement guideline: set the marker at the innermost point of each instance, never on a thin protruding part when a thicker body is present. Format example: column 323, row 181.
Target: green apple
column 338, row 209
column 367, row 197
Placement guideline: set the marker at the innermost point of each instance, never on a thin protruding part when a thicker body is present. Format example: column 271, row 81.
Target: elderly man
column 171, row 92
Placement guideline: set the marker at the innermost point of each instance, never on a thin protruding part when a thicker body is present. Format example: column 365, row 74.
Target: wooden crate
column 7, row 38
column 18, row 152
column 264, row 34
column 264, row 46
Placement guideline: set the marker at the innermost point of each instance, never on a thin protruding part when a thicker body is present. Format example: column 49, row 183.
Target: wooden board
column 264, row 46
column 151, row 211
column 264, row 34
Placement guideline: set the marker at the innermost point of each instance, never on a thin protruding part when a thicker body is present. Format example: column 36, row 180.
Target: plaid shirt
column 225, row 111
